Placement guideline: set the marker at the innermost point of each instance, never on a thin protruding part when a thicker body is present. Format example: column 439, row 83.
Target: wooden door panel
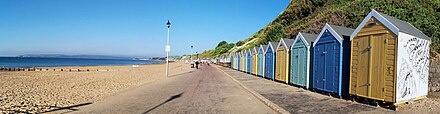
column 363, row 54
column 378, row 67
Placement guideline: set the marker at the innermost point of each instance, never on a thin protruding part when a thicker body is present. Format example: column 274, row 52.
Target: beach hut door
column 362, row 45
column 370, row 73
column 319, row 71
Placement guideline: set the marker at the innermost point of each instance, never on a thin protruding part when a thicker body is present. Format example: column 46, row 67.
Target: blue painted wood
column 231, row 59
column 327, row 61
column 298, row 70
column 249, row 62
column 238, row 61
column 244, row 61
column 269, row 64
column 260, row 63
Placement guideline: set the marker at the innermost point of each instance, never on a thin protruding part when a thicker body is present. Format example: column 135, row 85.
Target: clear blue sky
column 134, row 28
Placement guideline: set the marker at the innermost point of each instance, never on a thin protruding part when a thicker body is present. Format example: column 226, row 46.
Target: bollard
column 70, row 70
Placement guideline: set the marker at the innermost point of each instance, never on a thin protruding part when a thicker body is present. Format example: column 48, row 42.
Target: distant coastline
column 59, row 61
column 71, row 56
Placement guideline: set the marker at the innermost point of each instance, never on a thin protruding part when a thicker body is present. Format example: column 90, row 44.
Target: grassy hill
column 310, row 16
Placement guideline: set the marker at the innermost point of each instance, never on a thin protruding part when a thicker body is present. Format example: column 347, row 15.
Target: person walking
column 197, row 64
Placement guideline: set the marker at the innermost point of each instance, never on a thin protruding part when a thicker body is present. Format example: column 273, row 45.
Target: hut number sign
column 167, row 48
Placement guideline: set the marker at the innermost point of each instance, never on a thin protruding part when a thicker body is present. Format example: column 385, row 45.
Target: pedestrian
column 197, row 64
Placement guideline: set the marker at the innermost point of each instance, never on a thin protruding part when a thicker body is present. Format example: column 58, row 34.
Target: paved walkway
column 206, row 90
column 298, row 100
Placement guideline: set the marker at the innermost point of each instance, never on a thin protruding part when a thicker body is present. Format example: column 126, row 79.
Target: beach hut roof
column 254, row 50
column 307, row 38
column 286, row 42
column 262, row 47
column 249, row 51
column 337, row 31
column 270, row 45
column 392, row 23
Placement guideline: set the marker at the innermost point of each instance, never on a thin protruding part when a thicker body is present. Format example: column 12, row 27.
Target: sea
column 29, row 62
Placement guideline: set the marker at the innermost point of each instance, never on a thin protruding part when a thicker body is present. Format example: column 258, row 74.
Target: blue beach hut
column 231, row 57
column 244, row 53
column 261, row 49
column 300, row 59
column 249, row 61
column 329, row 50
column 269, row 65
column 238, row 55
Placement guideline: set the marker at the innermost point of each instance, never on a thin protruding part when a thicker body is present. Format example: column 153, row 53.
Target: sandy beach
column 43, row 91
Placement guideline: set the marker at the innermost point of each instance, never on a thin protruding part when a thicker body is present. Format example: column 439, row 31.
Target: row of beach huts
column 384, row 59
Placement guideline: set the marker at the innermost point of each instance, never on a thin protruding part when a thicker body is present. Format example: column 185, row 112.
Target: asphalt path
column 205, row 90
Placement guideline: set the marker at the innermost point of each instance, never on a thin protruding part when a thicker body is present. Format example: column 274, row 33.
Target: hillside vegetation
column 310, row 16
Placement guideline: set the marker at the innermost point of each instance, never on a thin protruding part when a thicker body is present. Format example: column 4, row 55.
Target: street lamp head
column 168, row 23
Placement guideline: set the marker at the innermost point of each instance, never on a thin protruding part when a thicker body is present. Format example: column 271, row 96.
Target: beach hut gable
column 393, row 24
column 300, row 37
column 255, row 50
column 287, row 43
column 328, row 28
column 270, row 46
column 306, row 38
column 380, row 18
column 262, row 48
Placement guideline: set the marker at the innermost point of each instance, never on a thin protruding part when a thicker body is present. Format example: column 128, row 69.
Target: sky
column 128, row 28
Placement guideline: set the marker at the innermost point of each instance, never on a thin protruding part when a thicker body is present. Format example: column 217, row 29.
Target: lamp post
column 190, row 55
column 168, row 48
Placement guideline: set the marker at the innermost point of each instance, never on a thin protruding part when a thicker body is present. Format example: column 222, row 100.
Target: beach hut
column 231, row 57
column 261, row 59
column 245, row 58
column 300, row 59
column 254, row 60
column 269, row 65
column 249, row 61
column 235, row 60
column 227, row 59
column 330, row 56
column 390, row 60
column 238, row 55
column 242, row 61
column 282, row 60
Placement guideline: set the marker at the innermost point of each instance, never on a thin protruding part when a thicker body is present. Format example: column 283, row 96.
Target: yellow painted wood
column 241, row 62
column 373, row 62
column 281, row 61
column 254, row 63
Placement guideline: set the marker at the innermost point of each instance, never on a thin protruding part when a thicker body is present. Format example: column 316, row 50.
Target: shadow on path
column 181, row 74
column 67, row 107
column 168, row 100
